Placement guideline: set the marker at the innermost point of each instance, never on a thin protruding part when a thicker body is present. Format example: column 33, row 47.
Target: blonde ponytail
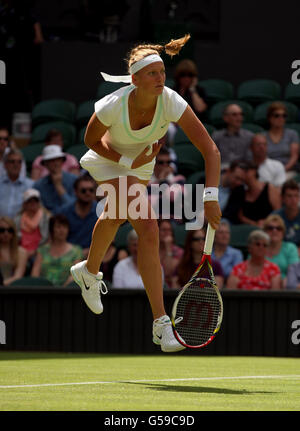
column 173, row 47
column 143, row 50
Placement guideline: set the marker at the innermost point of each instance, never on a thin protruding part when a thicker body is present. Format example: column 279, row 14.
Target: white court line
column 191, row 379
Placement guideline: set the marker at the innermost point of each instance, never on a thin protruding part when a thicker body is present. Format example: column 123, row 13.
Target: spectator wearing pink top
column 32, row 222
column 54, row 137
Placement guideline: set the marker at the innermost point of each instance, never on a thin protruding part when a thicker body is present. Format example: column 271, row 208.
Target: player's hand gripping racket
column 198, row 309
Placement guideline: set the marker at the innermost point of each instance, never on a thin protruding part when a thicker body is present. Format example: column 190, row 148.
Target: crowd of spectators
column 46, row 224
column 47, row 214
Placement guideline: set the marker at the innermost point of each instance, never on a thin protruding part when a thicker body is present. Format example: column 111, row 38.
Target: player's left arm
column 198, row 135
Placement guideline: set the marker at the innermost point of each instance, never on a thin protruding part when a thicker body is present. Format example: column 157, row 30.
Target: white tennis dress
column 112, row 111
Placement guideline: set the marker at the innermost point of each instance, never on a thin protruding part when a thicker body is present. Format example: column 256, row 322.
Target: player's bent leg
column 151, row 272
column 106, row 226
column 91, row 283
column 91, row 286
column 86, row 274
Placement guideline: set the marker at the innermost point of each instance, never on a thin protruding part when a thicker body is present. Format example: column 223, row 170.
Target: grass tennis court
column 54, row 381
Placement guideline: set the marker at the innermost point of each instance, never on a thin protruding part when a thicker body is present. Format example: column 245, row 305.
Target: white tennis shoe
column 163, row 335
column 91, row 286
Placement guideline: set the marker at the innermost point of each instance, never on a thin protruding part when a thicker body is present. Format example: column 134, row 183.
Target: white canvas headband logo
column 153, row 58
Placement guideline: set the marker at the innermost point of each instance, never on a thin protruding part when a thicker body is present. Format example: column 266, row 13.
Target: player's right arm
column 94, row 140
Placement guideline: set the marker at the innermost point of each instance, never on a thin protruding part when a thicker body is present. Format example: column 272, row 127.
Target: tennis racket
column 198, row 309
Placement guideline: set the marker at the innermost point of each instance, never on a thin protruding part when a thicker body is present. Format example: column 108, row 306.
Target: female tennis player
column 122, row 136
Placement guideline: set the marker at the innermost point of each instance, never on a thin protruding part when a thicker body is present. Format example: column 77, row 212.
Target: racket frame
column 209, row 239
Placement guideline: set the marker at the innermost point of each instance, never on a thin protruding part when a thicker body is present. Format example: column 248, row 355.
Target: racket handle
column 209, row 240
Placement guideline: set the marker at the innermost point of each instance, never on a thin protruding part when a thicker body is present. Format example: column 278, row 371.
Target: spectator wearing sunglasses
column 186, row 84
column 290, row 211
column 6, row 144
column 13, row 257
column 13, row 185
column 233, row 141
column 281, row 252
column 255, row 273
column 283, row 143
column 81, row 213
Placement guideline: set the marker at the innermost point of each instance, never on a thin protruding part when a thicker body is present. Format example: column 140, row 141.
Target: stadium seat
column 294, row 126
column 68, row 131
column 106, row 87
column 170, row 83
column 297, row 178
column 209, row 128
column 239, row 235
column 180, row 137
column 53, row 110
column 256, row 91
column 215, row 114
column 30, row 153
column 196, row 178
column 77, row 150
column 80, row 136
column 189, row 159
column 260, row 113
column 84, row 112
column 216, row 90
column 255, row 128
column 292, row 93
column 121, row 237
column 31, row 281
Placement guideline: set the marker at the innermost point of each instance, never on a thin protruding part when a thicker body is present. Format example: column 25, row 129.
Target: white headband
column 153, row 58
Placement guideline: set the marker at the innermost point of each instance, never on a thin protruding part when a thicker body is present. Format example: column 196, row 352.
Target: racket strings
column 199, row 307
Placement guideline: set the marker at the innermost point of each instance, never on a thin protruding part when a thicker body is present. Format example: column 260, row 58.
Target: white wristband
column 210, row 194
column 126, row 162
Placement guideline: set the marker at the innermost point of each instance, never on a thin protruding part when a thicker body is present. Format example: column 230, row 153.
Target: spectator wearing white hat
column 39, row 170
column 56, row 188
column 33, row 222
column 13, row 185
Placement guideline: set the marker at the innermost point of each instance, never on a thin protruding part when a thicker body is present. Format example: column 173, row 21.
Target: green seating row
column 254, row 92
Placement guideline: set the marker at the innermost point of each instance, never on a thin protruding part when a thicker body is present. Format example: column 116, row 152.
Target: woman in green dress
column 54, row 259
